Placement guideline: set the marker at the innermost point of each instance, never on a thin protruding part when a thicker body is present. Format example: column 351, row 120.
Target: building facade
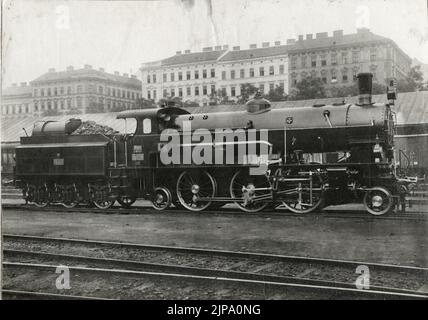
column 17, row 101
column 83, row 91
column 334, row 59
column 215, row 71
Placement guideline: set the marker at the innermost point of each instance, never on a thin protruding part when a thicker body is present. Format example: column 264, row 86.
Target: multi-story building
column 83, row 91
column 197, row 76
column 190, row 76
column 339, row 58
column 17, row 101
column 335, row 60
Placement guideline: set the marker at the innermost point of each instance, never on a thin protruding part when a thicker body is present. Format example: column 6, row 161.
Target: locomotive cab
column 143, row 147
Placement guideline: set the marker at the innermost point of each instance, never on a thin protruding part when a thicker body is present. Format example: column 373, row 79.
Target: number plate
column 138, row 156
column 58, row 162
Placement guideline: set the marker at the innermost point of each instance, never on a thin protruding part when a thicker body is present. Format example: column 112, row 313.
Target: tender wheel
column 378, row 201
column 300, row 198
column 103, row 204
column 126, row 201
column 161, row 198
column 191, row 186
column 70, row 197
column 101, row 197
column 243, row 186
column 41, row 197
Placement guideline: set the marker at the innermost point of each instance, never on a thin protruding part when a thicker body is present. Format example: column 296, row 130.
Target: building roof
column 17, row 91
column 319, row 41
column 411, row 108
column 343, row 40
column 306, row 44
column 85, row 73
column 197, row 57
column 255, row 53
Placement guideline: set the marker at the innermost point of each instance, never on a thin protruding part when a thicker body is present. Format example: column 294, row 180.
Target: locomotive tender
column 303, row 158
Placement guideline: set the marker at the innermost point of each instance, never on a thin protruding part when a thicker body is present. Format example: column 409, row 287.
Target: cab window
column 147, row 126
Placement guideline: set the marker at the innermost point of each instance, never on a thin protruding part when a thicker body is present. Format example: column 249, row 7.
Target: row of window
column 243, row 73
column 312, row 61
column 16, row 109
column 196, row 91
column 334, row 77
column 68, row 103
column 114, row 92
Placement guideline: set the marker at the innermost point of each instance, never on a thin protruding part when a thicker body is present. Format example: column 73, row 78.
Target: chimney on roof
column 207, row 49
column 125, row 75
column 337, row 33
column 116, row 73
column 226, row 47
column 309, row 36
column 70, row 68
column 322, row 35
column 133, row 76
column 51, row 70
column 23, row 84
column 291, row 41
column 265, row 45
column 178, row 52
column 301, row 37
column 101, row 69
column 253, row 46
column 14, row 84
column 217, row 48
column 236, row 48
column 186, row 51
column 88, row 66
column 277, row 43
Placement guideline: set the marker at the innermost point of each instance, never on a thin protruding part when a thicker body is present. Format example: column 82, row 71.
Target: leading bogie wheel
column 161, row 198
column 192, row 185
column 246, row 187
column 378, row 201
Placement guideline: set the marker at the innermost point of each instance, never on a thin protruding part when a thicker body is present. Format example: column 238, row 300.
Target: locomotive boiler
column 302, row 158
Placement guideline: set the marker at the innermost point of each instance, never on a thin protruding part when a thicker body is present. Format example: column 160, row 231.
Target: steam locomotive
column 302, row 158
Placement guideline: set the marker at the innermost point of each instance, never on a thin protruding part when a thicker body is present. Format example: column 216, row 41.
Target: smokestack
column 365, row 88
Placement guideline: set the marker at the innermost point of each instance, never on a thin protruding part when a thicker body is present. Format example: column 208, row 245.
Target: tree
column 247, row 90
column 50, row 112
column 352, row 90
column 214, row 99
column 309, row 88
column 143, row 103
column 277, row 94
column 413, row 81
column 190, row 104
column 95, row 107
column 118, row 108
column 73, row 111
column 170, row 101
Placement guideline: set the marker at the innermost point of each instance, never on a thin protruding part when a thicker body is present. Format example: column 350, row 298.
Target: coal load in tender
column 91, row 127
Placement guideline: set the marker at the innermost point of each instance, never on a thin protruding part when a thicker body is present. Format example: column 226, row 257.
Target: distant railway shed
column 411, row 139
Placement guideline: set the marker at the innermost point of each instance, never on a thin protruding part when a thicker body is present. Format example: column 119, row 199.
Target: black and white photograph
column 214, row 155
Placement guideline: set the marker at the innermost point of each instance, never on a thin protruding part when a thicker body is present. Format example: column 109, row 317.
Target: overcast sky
column 120, row 35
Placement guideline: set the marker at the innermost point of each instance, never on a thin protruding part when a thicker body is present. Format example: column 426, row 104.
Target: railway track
column 240, row 269
column 349, row 214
